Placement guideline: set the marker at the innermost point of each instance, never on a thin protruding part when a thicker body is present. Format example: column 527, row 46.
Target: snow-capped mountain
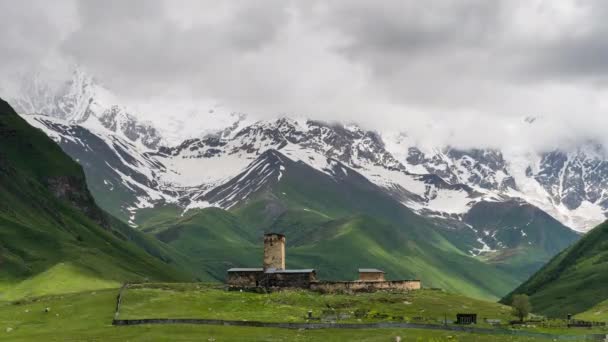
column 81, row 101
column 124, row 155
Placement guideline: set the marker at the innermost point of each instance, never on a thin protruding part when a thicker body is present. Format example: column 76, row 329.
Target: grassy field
column 88, row 315
column 209, row 301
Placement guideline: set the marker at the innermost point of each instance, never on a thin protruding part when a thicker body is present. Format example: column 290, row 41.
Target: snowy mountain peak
column 70, row 101
column 432, row 180
column 81, row 101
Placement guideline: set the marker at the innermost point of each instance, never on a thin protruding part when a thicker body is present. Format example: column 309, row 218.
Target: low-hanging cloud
column 465, row 73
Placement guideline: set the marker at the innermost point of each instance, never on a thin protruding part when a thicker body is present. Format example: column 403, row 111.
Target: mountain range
column 317, row 181
column 434, row 181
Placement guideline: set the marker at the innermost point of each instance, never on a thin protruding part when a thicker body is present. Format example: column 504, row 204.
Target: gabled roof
column 370, row 270
column 246, row 270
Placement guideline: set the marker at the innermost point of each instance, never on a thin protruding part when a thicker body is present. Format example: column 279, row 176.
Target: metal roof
column 246, row 270
column 275, row 270
column 370, row 270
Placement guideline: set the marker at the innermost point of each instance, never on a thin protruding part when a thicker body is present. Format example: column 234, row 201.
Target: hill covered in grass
column 575, row 280
column 333, row 224
column 521, row 252
column 87, row 316
column 598, row 313
column 53, row 237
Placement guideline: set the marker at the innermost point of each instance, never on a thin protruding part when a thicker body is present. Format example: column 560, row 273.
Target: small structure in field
column 466, row 318
column 371, row 274
column 274, row 274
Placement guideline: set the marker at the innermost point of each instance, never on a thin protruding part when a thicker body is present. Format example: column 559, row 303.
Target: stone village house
column 273, row 274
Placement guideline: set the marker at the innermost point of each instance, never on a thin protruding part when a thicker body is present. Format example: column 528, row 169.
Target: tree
column 521, row 306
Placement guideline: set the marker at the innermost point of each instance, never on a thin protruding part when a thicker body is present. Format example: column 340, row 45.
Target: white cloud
column 464, row 73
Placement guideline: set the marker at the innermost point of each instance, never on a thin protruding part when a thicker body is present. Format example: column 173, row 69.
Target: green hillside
column 530, row 237
column 575, row 280
column 53, row 237
column 212, row 239
column 598, row 313
column 334, row 225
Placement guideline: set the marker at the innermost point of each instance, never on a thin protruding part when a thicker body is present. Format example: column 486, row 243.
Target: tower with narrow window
column 274, row 251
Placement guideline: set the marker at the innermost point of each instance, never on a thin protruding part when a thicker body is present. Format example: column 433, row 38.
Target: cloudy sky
column 460, row 72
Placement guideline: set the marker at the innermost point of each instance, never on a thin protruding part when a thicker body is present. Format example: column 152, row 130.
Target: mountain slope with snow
column 436, row 181
column 130, row 167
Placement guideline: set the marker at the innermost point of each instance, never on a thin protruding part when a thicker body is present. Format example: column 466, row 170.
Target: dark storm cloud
column 542, row 42
column 455, row 66
column 410, row 28
column 138, row 40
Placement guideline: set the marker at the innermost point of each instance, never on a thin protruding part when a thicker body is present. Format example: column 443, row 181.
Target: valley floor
column 88, row 315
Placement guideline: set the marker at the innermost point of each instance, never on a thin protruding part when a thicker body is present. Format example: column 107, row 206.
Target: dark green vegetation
column 87, row 316
column 575, row 280
column 53, row 237
column 521, row 306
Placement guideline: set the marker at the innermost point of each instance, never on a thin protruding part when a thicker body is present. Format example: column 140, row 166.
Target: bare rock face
column 74, row 191
column 116, row 119
column 575, row 177
column 486, row 169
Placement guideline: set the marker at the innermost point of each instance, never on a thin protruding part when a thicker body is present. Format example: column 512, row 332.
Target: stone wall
column 371, row 276
column 274, row 251
column 248, row 279
column 244, row 279
column 364, row 286
column 290, row 280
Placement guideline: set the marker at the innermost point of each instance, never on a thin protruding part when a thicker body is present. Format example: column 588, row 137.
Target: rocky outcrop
column 74, row 191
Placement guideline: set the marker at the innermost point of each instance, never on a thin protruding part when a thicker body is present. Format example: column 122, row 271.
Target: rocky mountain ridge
column 439, row 182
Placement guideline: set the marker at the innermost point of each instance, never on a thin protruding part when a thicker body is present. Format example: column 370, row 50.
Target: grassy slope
column 522, row 255
column 212, row 238
column 598, row 313
column 365, row 242
column 60, row 242
column 86, row 316
column 338, row 226
column 575, row 280
column 334, row 227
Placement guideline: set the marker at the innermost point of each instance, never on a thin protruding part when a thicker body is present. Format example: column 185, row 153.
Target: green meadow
column 87, row 316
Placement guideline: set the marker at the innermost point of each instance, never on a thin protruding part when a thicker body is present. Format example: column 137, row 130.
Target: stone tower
column 274, row 251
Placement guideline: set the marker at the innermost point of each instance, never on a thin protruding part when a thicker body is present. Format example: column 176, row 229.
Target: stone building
column 273, row 274
column 274, row 251
column 371, row 274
